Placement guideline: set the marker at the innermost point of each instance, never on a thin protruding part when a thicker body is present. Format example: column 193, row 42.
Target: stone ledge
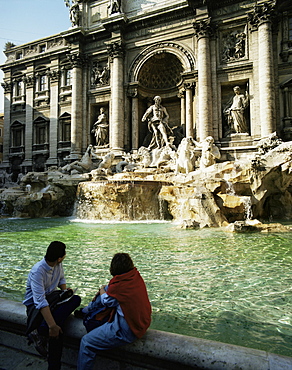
column 156, row 350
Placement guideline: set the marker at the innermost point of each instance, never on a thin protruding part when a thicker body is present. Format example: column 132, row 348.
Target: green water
column 232, row 288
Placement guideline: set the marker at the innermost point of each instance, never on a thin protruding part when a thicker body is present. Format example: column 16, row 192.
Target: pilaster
column 54, row 76
column 29, row 88
column 7, row 86
column 77, row 61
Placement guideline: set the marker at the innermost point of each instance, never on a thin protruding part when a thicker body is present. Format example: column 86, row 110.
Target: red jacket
column 130, row 291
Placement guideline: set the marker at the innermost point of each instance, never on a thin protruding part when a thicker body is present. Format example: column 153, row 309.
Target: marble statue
column 74, row 12
column 107, row 161
column 100, row 129
column 85, row 164
column 114, row 6
column 268, row 143
column 157, row 117
column 236, row 111
column 184, row 156
column 210, row 152
column 144, row 157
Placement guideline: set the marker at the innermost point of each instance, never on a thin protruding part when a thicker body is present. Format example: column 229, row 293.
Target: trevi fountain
column 215, row 232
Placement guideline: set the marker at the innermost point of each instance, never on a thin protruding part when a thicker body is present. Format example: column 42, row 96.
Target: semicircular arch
column 185, row 57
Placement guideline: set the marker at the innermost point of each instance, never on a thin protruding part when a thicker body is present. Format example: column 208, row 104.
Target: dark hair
column 121, row 263
column 55, row 250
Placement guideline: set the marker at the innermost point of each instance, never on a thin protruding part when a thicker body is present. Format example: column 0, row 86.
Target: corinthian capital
column 29, row 81
column 204, row 28
column 77, row 60
column 262, row 13
column 7, row 86
column 116, row 49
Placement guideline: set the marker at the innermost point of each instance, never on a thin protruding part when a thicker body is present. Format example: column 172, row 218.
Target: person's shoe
column 39, row 342
column 79, row 314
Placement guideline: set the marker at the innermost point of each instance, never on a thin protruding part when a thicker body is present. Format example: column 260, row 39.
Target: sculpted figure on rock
column 85, row 164
column 157, row 118
column 210, row 152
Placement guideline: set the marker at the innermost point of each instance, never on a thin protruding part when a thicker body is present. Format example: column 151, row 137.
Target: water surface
column 232, row 288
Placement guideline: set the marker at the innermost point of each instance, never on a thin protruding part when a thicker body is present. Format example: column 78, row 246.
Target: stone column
column 76, row 107
column 203, row 32
column 29, row 117
column 7, row 86
column 135, row 118
column 181, row 95
column 261, row 19
column 54, row 114
column 189, row 110
column 116, row 124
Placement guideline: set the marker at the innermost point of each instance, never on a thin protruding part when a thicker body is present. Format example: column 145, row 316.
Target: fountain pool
column 232, row 288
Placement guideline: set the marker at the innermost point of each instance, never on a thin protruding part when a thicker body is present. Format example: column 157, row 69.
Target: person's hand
column 96, row 295
column 102, row 290
column 54, row 331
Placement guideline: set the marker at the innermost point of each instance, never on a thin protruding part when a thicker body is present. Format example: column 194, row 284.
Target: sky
column 22, row 21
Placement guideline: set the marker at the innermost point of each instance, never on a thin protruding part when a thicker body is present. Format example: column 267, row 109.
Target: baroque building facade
column 104, row 72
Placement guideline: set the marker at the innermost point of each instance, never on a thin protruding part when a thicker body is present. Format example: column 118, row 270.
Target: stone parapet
column 156, row 350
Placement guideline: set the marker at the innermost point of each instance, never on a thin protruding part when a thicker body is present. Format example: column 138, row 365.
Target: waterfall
column 247, row 207
column 229, row 188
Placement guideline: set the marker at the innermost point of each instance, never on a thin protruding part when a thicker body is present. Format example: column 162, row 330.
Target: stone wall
column 156, row 350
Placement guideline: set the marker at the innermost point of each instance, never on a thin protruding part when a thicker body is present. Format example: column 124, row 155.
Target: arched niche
column 185, row 57
column 161, row 69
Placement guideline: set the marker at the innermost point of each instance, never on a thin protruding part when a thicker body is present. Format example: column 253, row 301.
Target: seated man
column 45, row 317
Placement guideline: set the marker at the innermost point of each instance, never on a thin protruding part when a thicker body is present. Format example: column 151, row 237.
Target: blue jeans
column 107, row 336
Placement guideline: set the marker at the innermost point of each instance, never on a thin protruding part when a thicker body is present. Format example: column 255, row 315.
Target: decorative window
column 42, row 48
column 290, row 29
column 64, row 130
column 19, row 55
column 42, row 83
column 18, row 88
column 40, row 133
column 17, row 136
column 286, row 44
column 68, row 77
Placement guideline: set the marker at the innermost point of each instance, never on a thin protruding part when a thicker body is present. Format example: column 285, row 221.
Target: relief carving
column 100, row 75
column 233, row 46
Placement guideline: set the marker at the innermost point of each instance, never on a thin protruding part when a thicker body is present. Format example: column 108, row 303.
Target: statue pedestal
column 237, row 140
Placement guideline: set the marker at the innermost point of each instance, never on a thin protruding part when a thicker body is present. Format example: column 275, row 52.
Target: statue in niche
column 85, row 164
column 74, row 12
column 158, row 124
column 210, row 152
column 114, row 6
column 99, row 75
column 233, row 46
column 100, row 129
column 235, row 111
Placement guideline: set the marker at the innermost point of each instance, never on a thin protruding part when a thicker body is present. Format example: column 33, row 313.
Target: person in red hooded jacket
column 125, row 304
